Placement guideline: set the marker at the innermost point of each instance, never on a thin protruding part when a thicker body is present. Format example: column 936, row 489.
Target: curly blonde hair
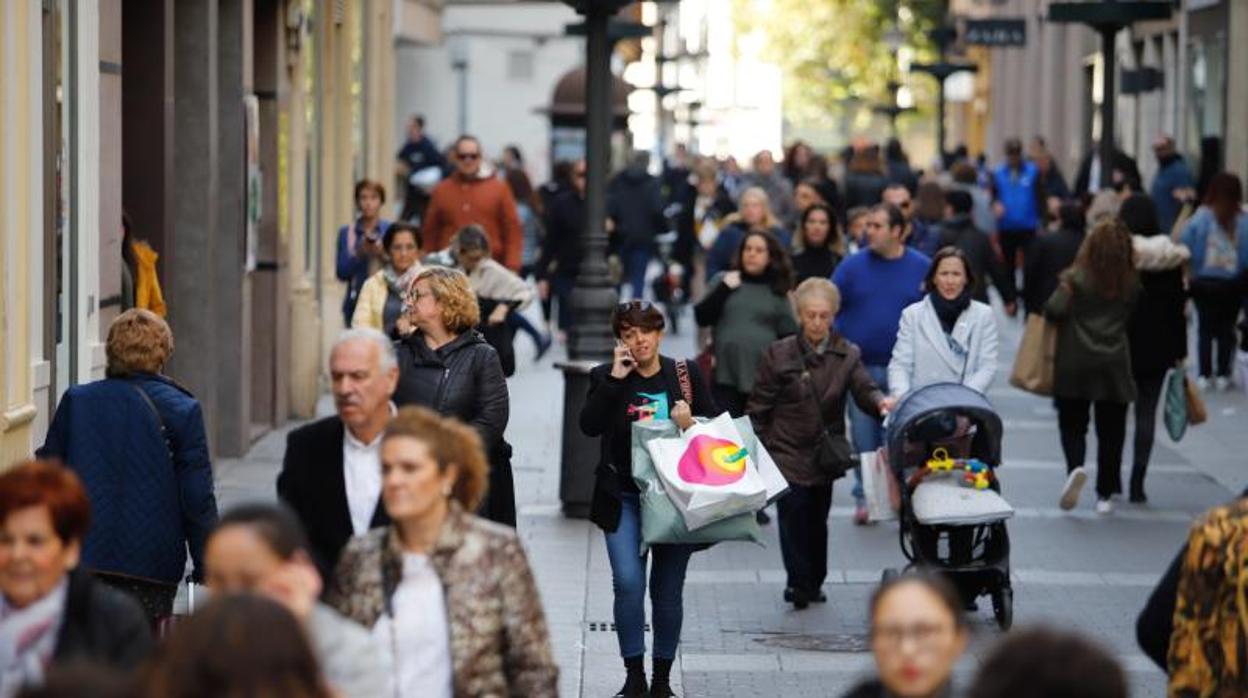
column 139, row 341
column 1107, row 258
column 451, row 289
column 452, row 443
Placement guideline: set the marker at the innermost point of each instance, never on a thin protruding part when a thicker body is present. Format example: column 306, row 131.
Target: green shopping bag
column 660, row 521
column 1176, row 404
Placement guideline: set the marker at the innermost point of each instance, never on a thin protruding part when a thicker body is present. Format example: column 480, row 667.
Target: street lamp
column 893, row 38
column 1107, row 18
column 943, row 37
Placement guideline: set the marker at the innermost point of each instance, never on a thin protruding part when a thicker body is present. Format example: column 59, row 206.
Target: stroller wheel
column 1003, row 607
column 890, row 573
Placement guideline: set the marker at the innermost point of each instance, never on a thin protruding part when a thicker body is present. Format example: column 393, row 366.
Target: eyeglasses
column 924, row 635
column 467, row 156
column 633, row 305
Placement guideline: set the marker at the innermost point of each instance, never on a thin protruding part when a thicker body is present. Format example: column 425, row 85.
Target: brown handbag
column 1196, row 411
column 1033, row 365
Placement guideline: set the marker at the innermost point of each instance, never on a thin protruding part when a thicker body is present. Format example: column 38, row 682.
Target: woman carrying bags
column 798, row 412
column 639, row 385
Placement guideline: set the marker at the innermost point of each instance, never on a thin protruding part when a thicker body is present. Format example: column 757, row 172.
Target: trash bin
column 579, row 453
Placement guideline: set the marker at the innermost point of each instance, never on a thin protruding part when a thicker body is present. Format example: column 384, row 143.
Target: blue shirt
column 874, row 291
column 1173, row 175
column 1016, row 190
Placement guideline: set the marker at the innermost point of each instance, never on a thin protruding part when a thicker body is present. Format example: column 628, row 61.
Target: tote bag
column 1033, row 366
column 1176, row 404
column 709, row 472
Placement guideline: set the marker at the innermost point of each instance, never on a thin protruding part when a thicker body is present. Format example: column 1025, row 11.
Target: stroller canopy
column 950, row 398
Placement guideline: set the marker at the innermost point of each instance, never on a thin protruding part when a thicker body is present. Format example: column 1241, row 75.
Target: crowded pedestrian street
column 623, row 349
column 1071, row 569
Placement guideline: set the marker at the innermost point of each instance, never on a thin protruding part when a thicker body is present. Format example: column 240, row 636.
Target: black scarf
column 950, row 310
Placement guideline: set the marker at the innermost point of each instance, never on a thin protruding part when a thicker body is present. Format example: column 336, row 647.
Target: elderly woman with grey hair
column 798, row 409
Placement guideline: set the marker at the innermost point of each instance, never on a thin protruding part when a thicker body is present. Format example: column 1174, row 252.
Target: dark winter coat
column 815, row 263
column 1048, row 257
column 605, row 415
column 1093, row 357
column 313, row 484
column 864, row 189
column 464, row 379
column 139, row 446
column 635, row 204
column 101, row 625
column 986, row 264
column 783, row 409
column 1158, row 327
column 565, row 227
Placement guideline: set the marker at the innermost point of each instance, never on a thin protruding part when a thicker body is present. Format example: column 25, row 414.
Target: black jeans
column 1149, row 386
column 1012, row 242
column 1111, row 434
column 1217, row 308
column 803, row 518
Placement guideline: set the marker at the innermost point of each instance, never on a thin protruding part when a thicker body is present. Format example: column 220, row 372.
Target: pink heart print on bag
column 712, row 461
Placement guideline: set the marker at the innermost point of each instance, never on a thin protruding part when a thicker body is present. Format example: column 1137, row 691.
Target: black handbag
column 832, row 456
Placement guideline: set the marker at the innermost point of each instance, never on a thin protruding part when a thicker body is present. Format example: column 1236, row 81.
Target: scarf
column 399, row 283
column 949, row 310
column 28, row 639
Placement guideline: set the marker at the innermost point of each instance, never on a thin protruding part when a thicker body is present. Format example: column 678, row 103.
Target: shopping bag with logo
column 708, row 472
column 661, row 522
column 1176, row 404
column 879, row 486
column 767, row 468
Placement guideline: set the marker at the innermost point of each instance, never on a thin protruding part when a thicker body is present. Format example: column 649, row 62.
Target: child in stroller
column 943, row 446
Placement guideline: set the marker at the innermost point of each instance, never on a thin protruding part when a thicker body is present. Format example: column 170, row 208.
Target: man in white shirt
column 331, row 473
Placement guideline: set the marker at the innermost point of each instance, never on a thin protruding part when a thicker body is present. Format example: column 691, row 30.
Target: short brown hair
column 640, row 314
column 139, row 341
column 47, row 484
column 451, row 442
column 369, row 185
column 451, row 289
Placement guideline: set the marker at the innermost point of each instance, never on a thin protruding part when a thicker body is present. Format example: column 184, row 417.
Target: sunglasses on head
column 633, row 305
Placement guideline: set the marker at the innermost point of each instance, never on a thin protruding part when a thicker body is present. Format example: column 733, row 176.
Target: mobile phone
column 627, row 361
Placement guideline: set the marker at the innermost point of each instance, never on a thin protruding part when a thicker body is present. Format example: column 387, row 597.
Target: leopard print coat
column 499, row 641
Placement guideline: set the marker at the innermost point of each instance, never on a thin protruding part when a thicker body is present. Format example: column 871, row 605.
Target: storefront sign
column 996, row 32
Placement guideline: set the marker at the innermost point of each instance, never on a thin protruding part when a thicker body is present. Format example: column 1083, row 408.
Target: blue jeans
column 866, row 431
column 636, row 259
column 628, row 577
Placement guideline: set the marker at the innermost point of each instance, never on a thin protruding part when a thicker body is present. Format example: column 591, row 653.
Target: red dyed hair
column 48, row 484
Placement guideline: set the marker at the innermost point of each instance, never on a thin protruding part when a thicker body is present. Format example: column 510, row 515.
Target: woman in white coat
column 947, row 337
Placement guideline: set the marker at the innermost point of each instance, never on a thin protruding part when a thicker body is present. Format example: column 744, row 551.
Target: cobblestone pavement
column 1071, row 570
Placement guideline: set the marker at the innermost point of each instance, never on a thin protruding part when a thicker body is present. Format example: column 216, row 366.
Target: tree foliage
column 832, row 51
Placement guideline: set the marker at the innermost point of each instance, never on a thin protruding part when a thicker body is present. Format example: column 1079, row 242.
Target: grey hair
column 385, row 347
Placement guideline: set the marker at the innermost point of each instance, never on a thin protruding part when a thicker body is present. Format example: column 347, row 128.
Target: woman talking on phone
column 640, row 385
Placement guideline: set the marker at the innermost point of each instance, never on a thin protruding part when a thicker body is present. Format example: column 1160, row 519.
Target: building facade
column 230, row 132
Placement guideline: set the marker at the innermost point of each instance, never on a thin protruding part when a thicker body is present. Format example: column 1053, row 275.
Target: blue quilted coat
column 149, row 480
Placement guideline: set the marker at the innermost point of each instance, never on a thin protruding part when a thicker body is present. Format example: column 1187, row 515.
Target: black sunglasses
column 633, row 305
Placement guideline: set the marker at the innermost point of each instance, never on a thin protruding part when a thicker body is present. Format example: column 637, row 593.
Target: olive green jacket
column 1093, row 356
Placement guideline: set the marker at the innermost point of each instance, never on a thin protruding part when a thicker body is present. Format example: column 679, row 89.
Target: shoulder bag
column 832, row 456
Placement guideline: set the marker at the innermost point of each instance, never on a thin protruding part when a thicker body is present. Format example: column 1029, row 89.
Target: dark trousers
column 730, row 399
column 803, row 517
column 1216, row 311
column 1012, row 242
column 561, row 290
column 1111, row 434
column 1149, row 386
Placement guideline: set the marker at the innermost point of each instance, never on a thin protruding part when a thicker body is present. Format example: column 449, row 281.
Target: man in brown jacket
column 474, row 195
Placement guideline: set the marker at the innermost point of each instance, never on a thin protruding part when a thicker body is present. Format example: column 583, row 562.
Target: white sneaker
column 1070, row 492
column 1202, row 382
column 1223, row 384
column 1104, row 507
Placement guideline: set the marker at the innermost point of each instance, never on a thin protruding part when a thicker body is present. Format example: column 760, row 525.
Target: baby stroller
column 947, row 525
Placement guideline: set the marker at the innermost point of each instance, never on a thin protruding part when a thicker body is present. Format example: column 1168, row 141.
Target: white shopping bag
column 767, row 468
column 878, row 484
column 708, row 473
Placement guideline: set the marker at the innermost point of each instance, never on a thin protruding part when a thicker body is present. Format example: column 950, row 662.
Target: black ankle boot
column 1137, row 495
column 661, row 686
column 635, row 680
